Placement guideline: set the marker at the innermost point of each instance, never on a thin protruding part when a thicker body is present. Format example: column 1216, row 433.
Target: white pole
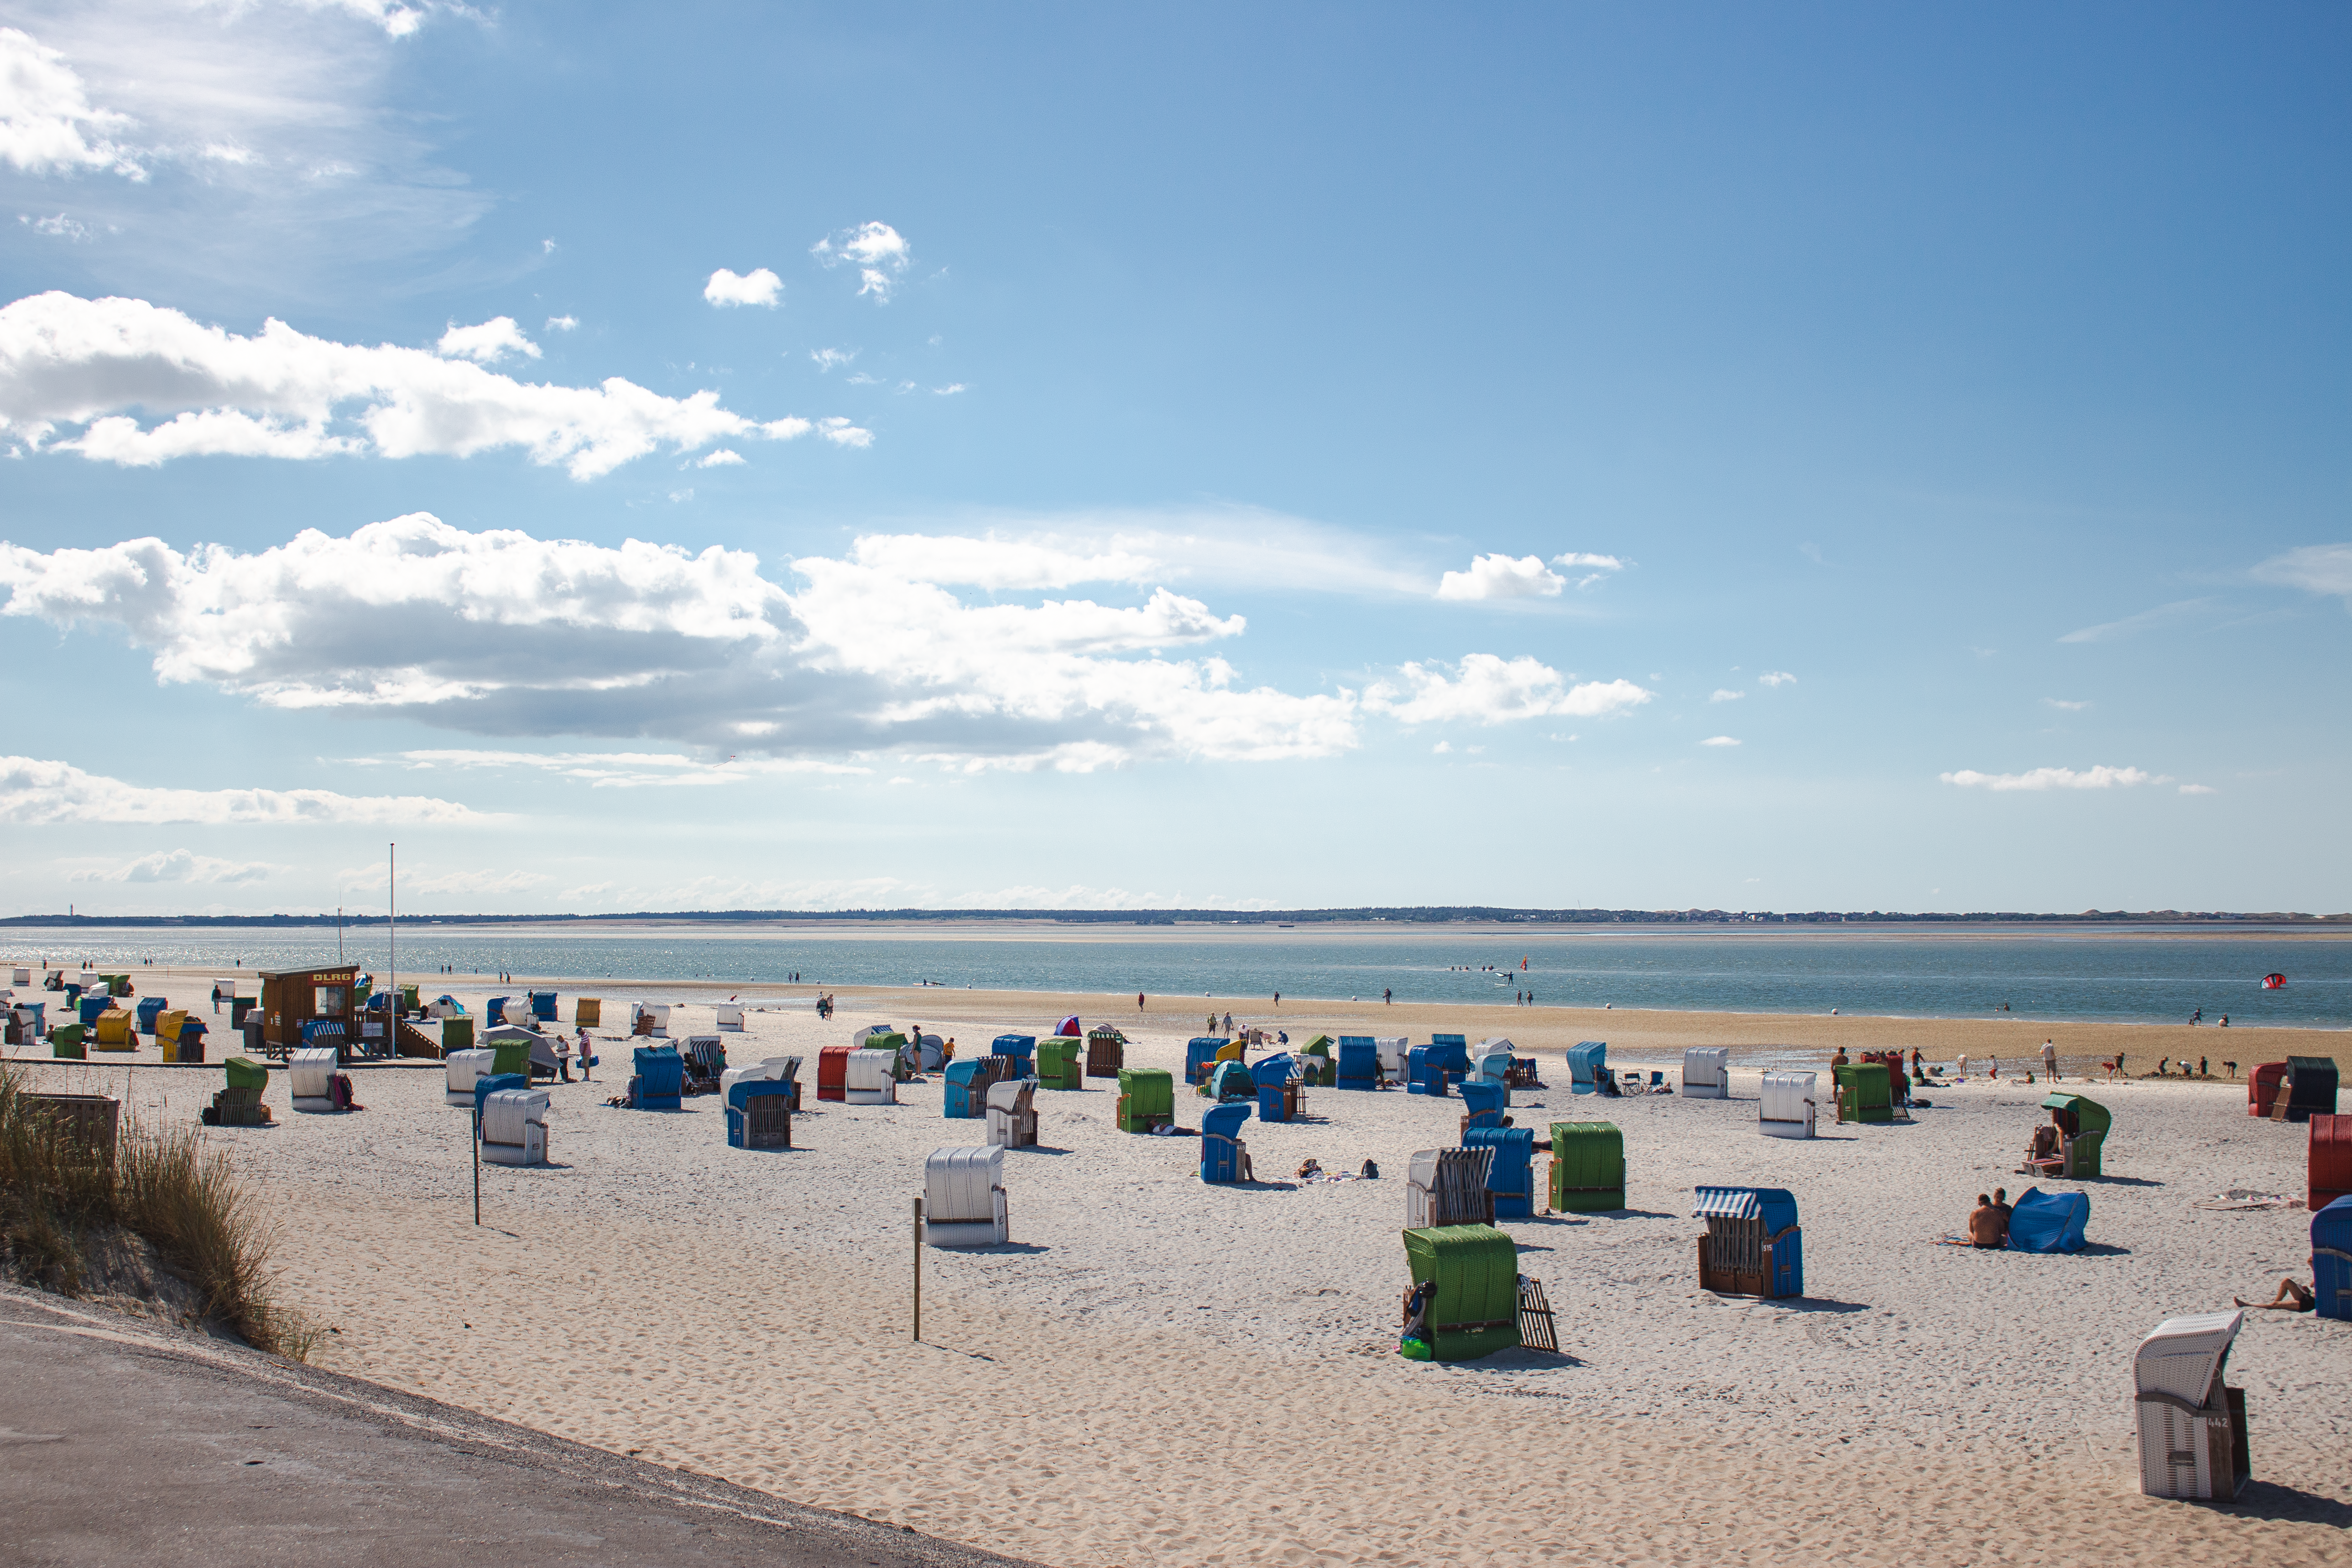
column 392, row 928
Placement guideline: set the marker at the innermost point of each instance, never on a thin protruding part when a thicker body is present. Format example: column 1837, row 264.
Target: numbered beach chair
column 759, row 1114
column 1012, row 1114
column 1147, row 1098
column 2327, row 1163
column 659, row 1082
column 1785, row 1109
column 1200, row 1056
column 1466, row 1292
column 460, row 1071
column 1223, row 1156
column 1588, row 1167
column 1448, row 1186
column 1753, row 1246
column 2331, row 1259
column 1706, row 1072
column 514, row 1127
column 1510, row 1175
column 870, row 1077
column 1359, row 1065
column 963, row 1198
column 1106, row 1051
column 1586, row 1060
column 2082, row 1134
column 2193, row 1426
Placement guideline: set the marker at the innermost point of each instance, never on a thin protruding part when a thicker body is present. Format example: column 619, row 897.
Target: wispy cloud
column 33, row 791
column 177, row 865
column 2065, row 706
column 1718, row 741
column 2099, row 777
column 1776, row 679
column 829, row 360
column 2314, row 568
column 2172, row 615
column 879, row 252
column 562, row 323
column 1488, row 690
column 2199, row 789
column 1725, row 694
column 486, row 343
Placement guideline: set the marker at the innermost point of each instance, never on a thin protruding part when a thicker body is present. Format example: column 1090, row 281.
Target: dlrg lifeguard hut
column 293, row 997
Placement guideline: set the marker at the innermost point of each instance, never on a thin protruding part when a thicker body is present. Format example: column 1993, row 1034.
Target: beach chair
column 1448, row 1186
column 117, row 984
column 1392, row 1053
column 659, row 1080
column 704, row 1058
column 2308, row 1089
column 1510, row 1175
column 2328, row 1160
column 1864, row 1092
column 1231, row 1081
column 1706, row 1072
column 1022, row 1047
column 22, row 978
column 457, row 1035
column 966, row 1093
column 460, row 1071
column 111, row 1030
column 2048, row 1222
column 785, row 1070
column 1425, row 1070
column 1061, row 1063
column 1359, row 1065
column 1586, row 1060
column 1147, row 1098
column 187, row 1048
column 588, row 1013
column 2193, row 1426
column 90, row 1006
column 2331, row 1259
column 1200, row 1056
column 1492, row 1067
column 1106, row 1051
column 870, row 1077
column 1471, row 1304
column 311, row 1072
column 542, row 1004
column 1785, row 1109
column 1588, row 1167
column 2082, row 1134
column 649, row 1018
column 2262, row 1087
column 1223, row 1156
column 963, row 1198
column 833, row 1072
column 238, row 1103
column 149, row 1008
column 1321, row 1070
column 66, row 1043
column 514, row 1127
column 494, row 1013
column 758, row 1113
column 729, row 1016
column 1753, row 1244
column 1012, row 1114
column 1484, row 1103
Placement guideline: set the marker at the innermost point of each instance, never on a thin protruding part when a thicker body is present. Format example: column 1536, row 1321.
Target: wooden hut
column 293, row 997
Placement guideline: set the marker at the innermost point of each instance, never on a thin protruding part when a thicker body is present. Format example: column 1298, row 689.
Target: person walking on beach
column 2050, row 1060
column 1229, row 1021
column 1139, row 1002
column 1386, row 995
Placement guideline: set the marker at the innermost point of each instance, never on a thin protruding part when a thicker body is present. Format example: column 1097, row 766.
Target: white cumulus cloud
column 722, row 458
column 1489, row 690
column 879, row 253
column 2099, row 777
column 65, row 360
column 486, row 343
column 33, row 791
column 562, row 323
column 48, row 124
column 1725, row 694
column 1501, row 578
column 759, row 287
column 1776, row 679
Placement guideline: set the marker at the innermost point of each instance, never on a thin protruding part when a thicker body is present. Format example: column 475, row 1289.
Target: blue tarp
column 1022, row 1045
column 1200, row 1053
column 1425, row 1071
column 961, row 1104
column 2048, row 1222
column 2331, row 1258
column 1586, row 1060
column 661, row 1078
column 1231, row 1080
column 1359, row 1063
column 1218, row 1163
column 1486, row 1101
column 489, row 1083
column 1511, row 1178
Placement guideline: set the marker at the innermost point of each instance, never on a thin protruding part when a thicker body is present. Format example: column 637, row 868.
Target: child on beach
column 587, row 1055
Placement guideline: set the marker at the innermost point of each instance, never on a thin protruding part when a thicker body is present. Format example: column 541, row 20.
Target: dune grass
column 163, row 1186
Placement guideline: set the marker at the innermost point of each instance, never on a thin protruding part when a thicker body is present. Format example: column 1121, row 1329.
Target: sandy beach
column 1157, row 1370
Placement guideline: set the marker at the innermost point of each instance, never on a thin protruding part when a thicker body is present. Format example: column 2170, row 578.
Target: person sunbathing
column 2290, row 1297
column 1985, row 1227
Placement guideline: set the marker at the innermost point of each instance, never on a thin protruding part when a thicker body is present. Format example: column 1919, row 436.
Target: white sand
column 1159, row 1369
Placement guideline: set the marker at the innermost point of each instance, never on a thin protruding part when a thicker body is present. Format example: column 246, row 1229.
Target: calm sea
column 2153, row 980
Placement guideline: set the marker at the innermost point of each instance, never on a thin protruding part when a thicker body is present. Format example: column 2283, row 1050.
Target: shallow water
column 2058, row 976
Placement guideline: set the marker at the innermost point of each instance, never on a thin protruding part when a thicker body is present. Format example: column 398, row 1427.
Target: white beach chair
column 1392, row 1051
column 465, row 1069
column 651, row 1018
column 1706, row 1072
column 514, row 1127
column 730, row 1015
column 1448, row 1186
column 310, row 1071
column 1012, row 1113
column 2193, row 1427
column 1785, row 1110
column 870, row 1077
column 963, row 1198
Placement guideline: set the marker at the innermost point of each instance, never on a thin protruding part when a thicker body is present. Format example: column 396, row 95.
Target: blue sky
column 756, row 456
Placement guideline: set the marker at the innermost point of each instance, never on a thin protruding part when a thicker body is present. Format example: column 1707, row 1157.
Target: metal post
column 477, row 1159
column 918, row 1270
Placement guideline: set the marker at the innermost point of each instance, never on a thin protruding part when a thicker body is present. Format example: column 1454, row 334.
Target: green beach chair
column 1062, row 1062
column 1472, row 1307
column 457, row 1035
column 239, row 1104
column 1588, row 1167
column 1864, row 1092
column 1322, row 1071
column 1147, row 1098
column 2082, row 1134
column 65, row 1044
column 510, row 1055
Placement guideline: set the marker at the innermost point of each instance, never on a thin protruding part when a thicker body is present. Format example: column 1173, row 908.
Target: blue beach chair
column 1223, row 1156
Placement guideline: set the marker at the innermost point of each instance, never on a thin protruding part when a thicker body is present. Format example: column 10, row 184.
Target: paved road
column 122, row 1443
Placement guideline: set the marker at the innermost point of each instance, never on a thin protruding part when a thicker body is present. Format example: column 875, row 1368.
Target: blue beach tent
column 1200, row 1055
column 1587, row 1062
column 1511, row 1177
column 1221, row 1148
column 1485, row 1102
column 1359, row 1063
column 2331, row 1258
column 2048, row 1222
column 961, row 1103
column 660, row 1079
column 1022, row 1045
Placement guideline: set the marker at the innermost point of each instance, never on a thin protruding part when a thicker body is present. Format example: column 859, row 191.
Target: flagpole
column 391, row 926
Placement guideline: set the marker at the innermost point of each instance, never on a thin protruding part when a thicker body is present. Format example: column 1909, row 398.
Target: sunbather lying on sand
column 2290, row 1297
